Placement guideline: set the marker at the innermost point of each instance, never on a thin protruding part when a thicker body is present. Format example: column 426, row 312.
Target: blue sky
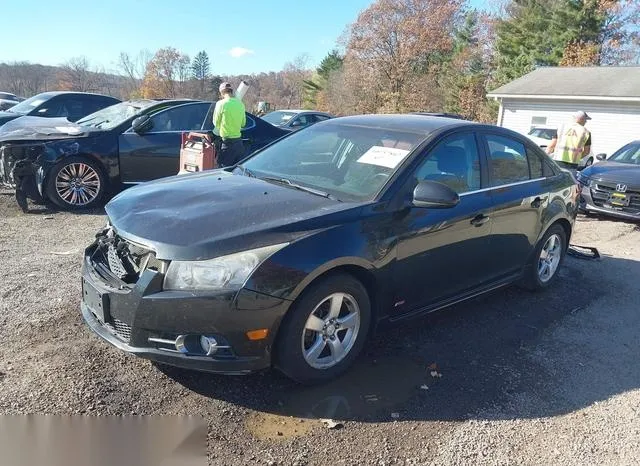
column 262, row 36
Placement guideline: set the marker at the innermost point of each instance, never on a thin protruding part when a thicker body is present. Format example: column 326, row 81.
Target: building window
column 538, row 121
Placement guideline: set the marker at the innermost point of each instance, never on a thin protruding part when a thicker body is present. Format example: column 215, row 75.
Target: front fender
column 289, row 271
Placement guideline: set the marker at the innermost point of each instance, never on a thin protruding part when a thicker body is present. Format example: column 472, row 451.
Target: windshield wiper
column 300, row 187
column 247, row 172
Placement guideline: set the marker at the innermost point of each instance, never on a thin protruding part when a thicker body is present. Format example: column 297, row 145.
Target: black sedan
column 295, row 255
column 76, row 165
column 70, row 105
column 612, row 187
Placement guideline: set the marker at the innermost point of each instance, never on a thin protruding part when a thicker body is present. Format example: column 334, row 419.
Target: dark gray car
column 294, row 120
column 71, row 105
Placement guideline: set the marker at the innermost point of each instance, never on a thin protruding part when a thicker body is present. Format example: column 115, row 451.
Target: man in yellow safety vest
column 571, row 142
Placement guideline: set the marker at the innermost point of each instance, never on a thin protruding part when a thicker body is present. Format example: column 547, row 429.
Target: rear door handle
column 537, row 202
column 479, row 220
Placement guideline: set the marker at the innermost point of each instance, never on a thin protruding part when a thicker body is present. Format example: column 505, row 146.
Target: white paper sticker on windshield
column 389, row 157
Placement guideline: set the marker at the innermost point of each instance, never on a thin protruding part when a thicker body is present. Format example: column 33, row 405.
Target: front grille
column 124, row 260
column 601, row 192
column 120, row 329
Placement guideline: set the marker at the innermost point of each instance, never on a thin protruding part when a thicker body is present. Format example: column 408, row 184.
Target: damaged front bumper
column 24, row 165
column 21, row 169
column 123, row 302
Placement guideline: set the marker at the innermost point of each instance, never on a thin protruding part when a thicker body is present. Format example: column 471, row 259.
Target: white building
column 549, row 96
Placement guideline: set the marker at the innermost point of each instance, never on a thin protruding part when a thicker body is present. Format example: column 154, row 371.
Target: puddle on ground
column 267, row 426
column 370, row 389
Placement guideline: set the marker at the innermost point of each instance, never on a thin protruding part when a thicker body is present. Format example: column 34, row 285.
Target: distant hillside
column 282, row 89
column 27, row 79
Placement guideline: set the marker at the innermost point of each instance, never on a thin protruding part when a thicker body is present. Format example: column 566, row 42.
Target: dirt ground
column 546, row 378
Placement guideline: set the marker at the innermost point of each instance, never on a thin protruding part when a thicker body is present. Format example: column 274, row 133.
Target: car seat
column 453, row 167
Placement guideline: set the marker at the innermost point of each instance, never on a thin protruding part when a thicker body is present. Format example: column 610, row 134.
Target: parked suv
column 293, row 257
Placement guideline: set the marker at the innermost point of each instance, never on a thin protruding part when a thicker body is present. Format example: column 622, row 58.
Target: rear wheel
column 548, row 257
column 76, row 183
column 324, row 331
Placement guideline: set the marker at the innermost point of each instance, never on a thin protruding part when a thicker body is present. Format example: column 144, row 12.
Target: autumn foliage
column 397, row 56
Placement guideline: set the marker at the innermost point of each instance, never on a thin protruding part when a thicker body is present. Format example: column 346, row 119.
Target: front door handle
column 479, row 220
column 537, row 202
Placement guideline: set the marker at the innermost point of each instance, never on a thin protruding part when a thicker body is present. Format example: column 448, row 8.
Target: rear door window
column 508, row 162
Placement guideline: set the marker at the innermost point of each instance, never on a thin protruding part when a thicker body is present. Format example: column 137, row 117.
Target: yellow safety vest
column 570, row 145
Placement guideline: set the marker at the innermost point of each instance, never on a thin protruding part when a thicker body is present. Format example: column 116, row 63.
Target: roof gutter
column 563, row 97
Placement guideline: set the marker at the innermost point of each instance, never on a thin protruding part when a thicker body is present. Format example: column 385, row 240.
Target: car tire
column 324, row 331
column 76, row 183
column 549, row 255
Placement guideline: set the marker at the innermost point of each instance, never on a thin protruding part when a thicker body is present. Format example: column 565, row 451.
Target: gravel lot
column 548, row 378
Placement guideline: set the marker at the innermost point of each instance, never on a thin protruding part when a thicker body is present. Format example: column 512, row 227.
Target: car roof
column 297, row 110
column 55, row 93
column 441, row 114
column 401, row 122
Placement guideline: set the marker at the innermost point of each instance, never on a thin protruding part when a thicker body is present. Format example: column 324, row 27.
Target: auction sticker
column 389, row 157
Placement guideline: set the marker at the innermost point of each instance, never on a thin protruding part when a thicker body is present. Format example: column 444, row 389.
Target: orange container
column 197, row 153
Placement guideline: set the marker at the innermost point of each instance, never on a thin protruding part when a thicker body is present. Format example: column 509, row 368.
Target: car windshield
column 279, row 117
column 110, row 117
column 346, row 162
column 28, row 105
column 544, row 133
column 628, row 154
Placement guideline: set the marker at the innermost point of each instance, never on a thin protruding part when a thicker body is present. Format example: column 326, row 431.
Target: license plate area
column 97, row 302
column 619, row 200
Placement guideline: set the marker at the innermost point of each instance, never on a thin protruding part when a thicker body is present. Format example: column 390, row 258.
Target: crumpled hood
column 614, row 172
column 206, row 215
column 40, row 128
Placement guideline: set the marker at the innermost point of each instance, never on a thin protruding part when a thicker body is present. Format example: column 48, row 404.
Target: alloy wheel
column 77, row 184
column 549, row 259
column 331, row 331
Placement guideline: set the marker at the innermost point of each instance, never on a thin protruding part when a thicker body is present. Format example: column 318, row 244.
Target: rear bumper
column 146, row 321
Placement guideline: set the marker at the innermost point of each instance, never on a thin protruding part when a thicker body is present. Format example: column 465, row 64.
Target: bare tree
column 294, row 75
column 77, row 75
column 134, row 68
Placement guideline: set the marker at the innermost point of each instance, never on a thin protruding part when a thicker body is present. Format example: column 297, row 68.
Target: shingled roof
column 595, row 82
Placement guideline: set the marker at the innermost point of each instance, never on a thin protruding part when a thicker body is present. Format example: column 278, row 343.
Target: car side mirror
column 296, row 124
column 141, row 124
column 431, row 194
column 601, row 156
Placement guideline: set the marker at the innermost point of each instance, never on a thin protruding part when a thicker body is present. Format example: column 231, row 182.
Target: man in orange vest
column 571, row 143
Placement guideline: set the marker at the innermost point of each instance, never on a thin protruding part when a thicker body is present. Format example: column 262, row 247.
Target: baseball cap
column 582, row 114
column 225, row 85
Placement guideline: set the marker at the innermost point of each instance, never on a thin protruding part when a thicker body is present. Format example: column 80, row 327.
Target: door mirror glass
column 141, row 124
column 601, row 156
column 431, row 194
column 296, row 123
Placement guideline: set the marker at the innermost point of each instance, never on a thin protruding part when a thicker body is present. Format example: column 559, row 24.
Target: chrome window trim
column 518, row 183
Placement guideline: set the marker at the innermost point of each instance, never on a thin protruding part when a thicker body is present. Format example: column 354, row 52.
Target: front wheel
column 76, row 183
column 548, row 257
column 324, row 331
